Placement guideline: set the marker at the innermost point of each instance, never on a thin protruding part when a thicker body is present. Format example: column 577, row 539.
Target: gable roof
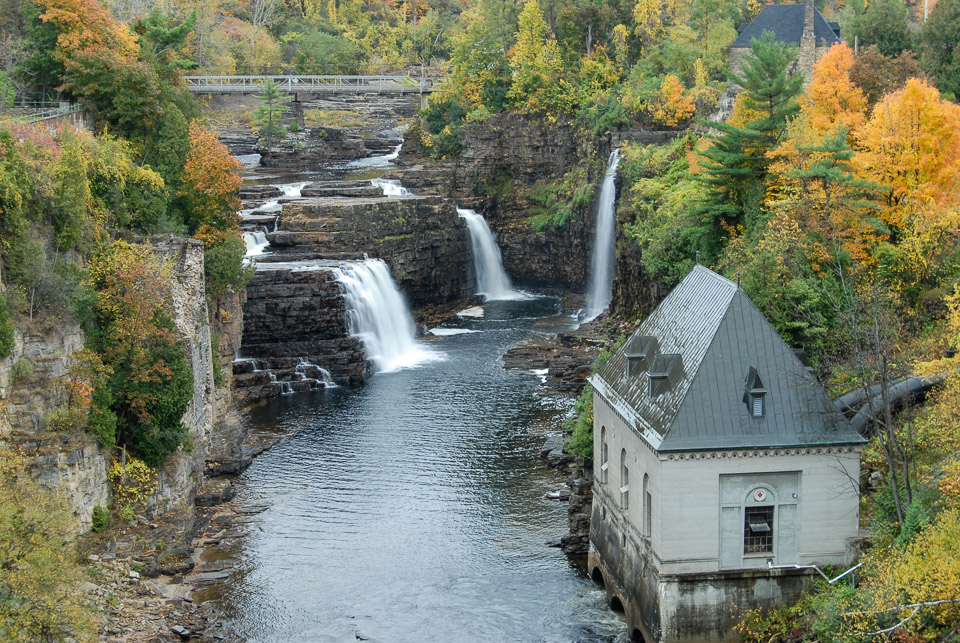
column 719, row 335
column 786, row 22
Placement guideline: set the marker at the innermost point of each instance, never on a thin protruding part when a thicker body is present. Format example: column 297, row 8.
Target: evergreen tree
column 735, row 164
column 941, row 39
column 269, row 114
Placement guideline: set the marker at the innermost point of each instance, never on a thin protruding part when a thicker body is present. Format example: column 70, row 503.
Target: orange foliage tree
column 210, row 187
column 832, row 98
column 85, row 26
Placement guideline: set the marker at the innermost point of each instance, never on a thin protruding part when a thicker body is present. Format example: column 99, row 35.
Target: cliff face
column 74, row 465
column 422, row 239
column 293, row 316
column 501, row 160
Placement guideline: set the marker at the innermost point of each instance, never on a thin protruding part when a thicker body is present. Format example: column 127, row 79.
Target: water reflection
column 413, row 509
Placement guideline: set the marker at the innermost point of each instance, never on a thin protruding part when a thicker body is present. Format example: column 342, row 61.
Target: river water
column 413, row 509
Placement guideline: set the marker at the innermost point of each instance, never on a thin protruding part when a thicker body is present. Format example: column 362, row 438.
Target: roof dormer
column 754, row 394
column 665, row 370
column 640, row 352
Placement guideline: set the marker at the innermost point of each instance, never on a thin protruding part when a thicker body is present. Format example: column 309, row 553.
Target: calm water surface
column 413, row 509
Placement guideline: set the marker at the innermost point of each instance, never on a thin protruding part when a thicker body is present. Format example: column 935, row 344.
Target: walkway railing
column 46, row 114
column 307, row 84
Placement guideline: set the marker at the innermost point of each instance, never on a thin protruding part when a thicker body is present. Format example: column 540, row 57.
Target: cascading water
column 492, row 280
column 378, row 315
column 292, row 189
column 390, row 187
column 256, row 243
column 601, row 266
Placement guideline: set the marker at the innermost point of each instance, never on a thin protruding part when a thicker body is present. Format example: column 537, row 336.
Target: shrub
column 6, row 329
column 101, row 519
column 223, row 266
column 22, row 369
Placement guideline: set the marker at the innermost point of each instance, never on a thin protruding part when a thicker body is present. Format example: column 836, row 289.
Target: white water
column 492, row 280
column 601, row 266
column 376, row 161
column 390, row 187
column 378, row 315
column 256, row 243
column 292, row 189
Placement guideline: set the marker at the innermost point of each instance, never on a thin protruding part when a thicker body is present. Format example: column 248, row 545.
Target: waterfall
column 492, row 280
column 601, row 266
column 292, row 189
column 256, row 243
column 378, row 315
column 390, row 187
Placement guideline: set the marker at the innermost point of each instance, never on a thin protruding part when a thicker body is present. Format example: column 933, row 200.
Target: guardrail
column 46, row 114
column 307, row 84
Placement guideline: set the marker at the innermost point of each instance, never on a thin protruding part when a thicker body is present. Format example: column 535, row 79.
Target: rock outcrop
column 422, row 239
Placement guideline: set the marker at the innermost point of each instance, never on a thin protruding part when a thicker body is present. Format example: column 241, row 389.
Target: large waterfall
column 378, row 315
column 492, row 280
column 601, row 266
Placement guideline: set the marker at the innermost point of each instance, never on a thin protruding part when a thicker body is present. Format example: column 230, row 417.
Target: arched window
column 647, row 507
column 604, row 455
column 759, row 511
column 624, row 480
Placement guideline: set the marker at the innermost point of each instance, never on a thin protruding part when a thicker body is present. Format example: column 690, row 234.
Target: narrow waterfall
column 601, row 266
column 492, row 280
column 390, row 187
column 378, row 315
column 256, row 243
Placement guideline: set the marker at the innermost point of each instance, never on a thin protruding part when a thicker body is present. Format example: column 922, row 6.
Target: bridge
column 308, row 84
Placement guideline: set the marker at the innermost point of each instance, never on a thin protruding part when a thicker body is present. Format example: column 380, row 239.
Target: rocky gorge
column 289, row 331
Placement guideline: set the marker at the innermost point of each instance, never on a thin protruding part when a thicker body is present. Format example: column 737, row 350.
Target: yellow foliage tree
column 38, row 576
column 535, row 62
column 672, row 105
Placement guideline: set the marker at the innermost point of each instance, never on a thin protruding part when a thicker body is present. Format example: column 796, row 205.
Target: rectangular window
column 625, row 489
column 758, row 530
column 647, row 514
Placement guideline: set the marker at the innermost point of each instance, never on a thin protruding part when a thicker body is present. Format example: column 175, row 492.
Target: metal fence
column 306, row 84
column 36, row 117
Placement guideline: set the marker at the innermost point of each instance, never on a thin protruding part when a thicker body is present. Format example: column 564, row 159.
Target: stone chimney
column 808, row 43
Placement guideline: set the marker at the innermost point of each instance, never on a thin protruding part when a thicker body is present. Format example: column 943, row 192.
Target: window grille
column 758, row 530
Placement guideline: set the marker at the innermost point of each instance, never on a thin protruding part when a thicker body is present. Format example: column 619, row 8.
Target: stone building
column 795, row 25
column 722, row 470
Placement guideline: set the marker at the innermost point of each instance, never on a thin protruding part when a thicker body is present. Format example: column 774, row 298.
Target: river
column 413, row 508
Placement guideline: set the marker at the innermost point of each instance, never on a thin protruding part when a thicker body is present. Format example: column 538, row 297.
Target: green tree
column 884, row 23
column 40, row 69
column 269, row 114
column 941, row 40
column 144, row 382
column 734, row 167
column 6, row 328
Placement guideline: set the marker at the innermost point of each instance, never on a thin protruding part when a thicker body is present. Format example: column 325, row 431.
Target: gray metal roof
column 719, row 335
column 786, row 22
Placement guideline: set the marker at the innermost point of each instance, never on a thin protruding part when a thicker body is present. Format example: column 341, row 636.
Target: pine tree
column 269, row 114
column 735, row 167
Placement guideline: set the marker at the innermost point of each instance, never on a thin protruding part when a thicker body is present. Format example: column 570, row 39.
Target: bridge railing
column 305, row 84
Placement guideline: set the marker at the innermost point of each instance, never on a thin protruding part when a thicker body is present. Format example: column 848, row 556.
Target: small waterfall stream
column 256, row 243
column 378, row 315
column 492, row 280
column 601, row 265
column 390, row 187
